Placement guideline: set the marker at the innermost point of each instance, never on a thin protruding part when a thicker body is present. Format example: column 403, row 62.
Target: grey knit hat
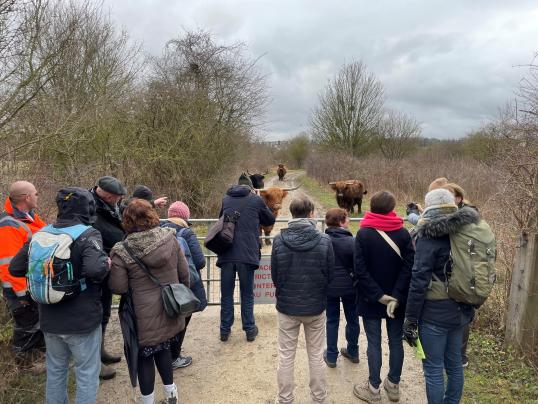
column 439, row 196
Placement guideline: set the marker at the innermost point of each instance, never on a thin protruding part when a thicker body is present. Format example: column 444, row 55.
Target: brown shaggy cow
column 273, row 198
column 348, row 194
column 281, row 171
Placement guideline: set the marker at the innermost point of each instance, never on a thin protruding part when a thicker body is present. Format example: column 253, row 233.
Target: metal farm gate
column 263, row 287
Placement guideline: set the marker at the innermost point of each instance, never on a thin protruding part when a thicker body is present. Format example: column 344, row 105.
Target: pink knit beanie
column 179, row 209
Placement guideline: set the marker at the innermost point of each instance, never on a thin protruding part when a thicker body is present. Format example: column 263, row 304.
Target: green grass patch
column 497, row 375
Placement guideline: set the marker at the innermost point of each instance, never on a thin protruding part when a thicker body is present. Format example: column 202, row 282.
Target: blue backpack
column 193, row 272
column 50, row 276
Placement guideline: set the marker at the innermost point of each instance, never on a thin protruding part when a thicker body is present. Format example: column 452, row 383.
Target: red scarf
column 387, row 222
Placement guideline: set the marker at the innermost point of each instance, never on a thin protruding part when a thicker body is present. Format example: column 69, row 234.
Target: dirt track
column 242, row 372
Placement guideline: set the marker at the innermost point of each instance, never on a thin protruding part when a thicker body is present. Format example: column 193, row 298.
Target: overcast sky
column 451, row 64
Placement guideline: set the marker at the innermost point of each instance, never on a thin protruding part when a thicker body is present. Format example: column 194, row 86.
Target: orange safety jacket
column 15, row 230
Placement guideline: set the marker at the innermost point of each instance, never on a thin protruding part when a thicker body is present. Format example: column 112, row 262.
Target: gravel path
column 242, row 372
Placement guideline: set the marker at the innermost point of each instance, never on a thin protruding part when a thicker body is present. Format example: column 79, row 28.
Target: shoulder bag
column 178, row 299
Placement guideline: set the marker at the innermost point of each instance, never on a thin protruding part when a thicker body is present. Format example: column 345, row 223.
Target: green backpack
column 470, row 271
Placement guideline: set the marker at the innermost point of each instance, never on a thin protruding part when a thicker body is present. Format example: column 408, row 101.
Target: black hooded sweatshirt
column 302, row 263
column 83, row 313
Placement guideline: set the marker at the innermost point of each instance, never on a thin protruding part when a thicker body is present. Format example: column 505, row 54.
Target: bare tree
column 26, row 65
column 397, row 135
column 349, row 111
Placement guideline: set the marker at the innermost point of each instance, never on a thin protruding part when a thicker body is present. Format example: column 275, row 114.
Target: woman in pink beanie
column 179, row 209
column 178, row 219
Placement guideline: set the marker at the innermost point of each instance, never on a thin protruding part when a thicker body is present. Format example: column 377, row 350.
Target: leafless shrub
column 397, row 135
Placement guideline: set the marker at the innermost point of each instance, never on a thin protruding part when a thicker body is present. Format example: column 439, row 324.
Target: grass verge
column 497, row 375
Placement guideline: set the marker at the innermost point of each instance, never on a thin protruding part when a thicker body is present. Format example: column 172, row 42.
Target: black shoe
column 345, row 354
column 224, row 337
column 329, row 364
column 251, row 335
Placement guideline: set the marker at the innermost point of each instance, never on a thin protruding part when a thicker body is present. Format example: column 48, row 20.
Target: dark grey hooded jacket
column 302, row 264
column 431, row 255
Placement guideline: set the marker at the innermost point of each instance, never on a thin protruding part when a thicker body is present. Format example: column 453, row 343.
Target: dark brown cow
column 281, row 171
column 273, row 198
column 348, row 194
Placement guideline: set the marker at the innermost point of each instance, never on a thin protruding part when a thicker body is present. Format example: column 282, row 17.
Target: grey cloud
column 450, row 64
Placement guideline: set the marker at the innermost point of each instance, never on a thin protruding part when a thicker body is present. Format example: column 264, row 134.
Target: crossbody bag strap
column 390, row 242
column 142, row 265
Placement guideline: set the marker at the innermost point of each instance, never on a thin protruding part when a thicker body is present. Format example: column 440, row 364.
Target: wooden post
column 522, row 315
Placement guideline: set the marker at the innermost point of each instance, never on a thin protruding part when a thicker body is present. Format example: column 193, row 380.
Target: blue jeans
column 372, row 326
column 442, row 348
column 333, row 322
column 227, row 287
column 86, row 352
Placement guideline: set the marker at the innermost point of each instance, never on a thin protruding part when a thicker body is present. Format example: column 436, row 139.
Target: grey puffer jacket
column 302, row 263
column 159, row 250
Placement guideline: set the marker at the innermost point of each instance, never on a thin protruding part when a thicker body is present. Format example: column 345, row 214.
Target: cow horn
column 350, row 182
column 332, row 183
column 291, row 189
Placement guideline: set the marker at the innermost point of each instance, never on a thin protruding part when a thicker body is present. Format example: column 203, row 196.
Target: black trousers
column 175, row 346
column 25, row 314
column 146, row 370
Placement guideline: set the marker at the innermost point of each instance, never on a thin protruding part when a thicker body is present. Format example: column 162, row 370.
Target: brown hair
column 301, row 207
column 335, row 216
column 382, row 202
column 438, row 183
column 139, row 216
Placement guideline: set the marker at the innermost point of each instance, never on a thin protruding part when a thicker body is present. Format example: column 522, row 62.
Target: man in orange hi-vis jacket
column 18, row 223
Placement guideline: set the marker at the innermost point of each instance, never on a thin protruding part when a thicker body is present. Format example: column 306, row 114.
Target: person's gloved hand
column 391, row 307
column 410, row 332
column 386, row 299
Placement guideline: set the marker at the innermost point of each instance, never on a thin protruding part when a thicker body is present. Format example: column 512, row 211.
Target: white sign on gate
column 264, row 289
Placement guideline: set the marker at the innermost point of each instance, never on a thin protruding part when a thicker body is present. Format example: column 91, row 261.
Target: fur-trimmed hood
column 444, row 224
column 144, row 243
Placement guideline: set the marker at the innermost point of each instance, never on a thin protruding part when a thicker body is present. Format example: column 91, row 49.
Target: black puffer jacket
column 83, row 313
column 108, row 222
column 254, row 212
column 431, row 255
column 302, row 263
column 343, row 244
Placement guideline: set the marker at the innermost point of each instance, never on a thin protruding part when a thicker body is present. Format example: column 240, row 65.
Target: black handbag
column 220, row 236
column 178, row 299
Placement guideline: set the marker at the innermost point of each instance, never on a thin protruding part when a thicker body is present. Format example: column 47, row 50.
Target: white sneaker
column 182, row 362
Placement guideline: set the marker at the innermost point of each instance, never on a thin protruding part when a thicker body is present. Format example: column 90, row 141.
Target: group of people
column 384, row 272
column 93, row 247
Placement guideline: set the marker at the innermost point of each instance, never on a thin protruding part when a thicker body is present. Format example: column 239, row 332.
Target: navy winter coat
column 302, row 263
column 380, row 271
column 343, row 244
column 254, row 212
column 190, row 237
column 431, row 256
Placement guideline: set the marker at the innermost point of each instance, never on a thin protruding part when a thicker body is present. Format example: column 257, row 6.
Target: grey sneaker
column 392, row 389
column 182, row 362
column 366, row 392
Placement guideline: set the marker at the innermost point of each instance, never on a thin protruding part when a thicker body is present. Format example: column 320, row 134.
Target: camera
column 412, row 207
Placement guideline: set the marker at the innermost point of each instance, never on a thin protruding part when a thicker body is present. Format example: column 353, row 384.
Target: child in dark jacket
column 383, row 261
column 341, row 289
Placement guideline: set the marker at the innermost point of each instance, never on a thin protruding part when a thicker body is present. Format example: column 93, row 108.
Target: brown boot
column 107, row 358
column 107, row 372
